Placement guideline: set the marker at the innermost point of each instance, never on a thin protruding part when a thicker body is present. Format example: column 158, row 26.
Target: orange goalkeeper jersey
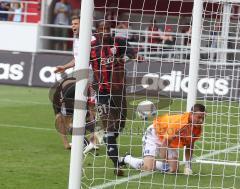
column 177, row 128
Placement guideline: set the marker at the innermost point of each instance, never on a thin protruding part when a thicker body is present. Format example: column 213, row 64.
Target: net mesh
column 160, row 32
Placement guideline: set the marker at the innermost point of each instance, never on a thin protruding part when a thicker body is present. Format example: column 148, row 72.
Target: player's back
column 170, row 124
column 178, row 128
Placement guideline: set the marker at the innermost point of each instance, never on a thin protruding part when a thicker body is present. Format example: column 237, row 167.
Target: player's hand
column 59, row 69
column 187, row 171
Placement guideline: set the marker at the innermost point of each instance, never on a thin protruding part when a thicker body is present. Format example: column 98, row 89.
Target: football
column 146, row 109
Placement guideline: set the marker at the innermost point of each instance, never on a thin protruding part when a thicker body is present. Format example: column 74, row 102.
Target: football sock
column 159, row 165
column 112, row 149
column 162, row 166
column 135, row 163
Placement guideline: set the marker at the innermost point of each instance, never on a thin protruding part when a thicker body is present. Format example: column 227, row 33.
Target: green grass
column 33, row 158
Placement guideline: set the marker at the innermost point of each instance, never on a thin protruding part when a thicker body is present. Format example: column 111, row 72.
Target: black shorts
column 112, row 110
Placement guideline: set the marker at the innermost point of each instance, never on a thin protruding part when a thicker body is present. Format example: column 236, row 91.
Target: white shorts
column 152, row 144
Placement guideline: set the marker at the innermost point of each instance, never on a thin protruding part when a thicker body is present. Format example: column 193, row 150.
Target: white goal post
column 82, row 63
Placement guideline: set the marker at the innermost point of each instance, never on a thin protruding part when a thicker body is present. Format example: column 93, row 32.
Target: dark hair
column 198, row 108
column 104, row 24
column 75, row 17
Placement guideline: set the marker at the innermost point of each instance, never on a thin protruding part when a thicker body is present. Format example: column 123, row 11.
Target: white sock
column 159, row 165
column 135, row 163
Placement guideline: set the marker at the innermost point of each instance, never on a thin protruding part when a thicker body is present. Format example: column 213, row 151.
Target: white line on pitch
column 23, row 101
column 26, row 127
column 120, row 181
column 144, row 174
column 219, row 152
column 44, row 129
column 218, row 162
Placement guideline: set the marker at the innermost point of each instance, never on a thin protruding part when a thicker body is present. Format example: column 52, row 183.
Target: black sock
column 112, row 149
column 86, row 142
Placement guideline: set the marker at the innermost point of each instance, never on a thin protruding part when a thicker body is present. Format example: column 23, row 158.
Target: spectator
column 168, row 41
column 216, row 32
column 154, row 36
column 4, row 6
column 17, row 8
column 187, row 37
column 123, row 25
column 214, row 40
column 62, row 12
column 111, row 15
column 168, row 38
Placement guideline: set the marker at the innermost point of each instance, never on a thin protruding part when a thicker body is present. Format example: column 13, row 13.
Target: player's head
column 197, row 114
column 75, row 24
column 103, row 30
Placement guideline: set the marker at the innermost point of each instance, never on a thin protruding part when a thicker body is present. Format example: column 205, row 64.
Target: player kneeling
column 165, row 136
column 63, row 103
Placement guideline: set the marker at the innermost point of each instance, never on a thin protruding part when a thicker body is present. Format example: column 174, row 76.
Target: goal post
column 81, row 64
column 194, row 53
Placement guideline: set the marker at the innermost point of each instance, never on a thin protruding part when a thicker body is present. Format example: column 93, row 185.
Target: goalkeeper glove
column 188, row 169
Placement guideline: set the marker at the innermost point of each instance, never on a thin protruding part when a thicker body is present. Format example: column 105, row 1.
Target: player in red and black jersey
column 108, row 61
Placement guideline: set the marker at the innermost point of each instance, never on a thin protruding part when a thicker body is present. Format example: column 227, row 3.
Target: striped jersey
column 108, row 62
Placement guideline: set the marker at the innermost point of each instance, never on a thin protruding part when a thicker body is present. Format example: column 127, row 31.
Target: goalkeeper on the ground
column 165, row 137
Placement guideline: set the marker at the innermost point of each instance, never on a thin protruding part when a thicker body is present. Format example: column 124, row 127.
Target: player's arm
column 188, row 157
column 94, row 61
column 133, row 54
column 164, row 147
column 62, row 68
column 188, row 153
column 167, row 140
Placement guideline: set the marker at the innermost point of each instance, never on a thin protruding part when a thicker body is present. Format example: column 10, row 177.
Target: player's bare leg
column 91, row 121
column 173, row 161
column 148, row 163
column 173, row 165
column 62, row 125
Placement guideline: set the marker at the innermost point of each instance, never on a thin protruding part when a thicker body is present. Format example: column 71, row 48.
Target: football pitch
column 33, row 157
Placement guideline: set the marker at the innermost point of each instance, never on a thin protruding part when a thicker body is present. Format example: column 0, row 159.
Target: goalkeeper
column 165, row 136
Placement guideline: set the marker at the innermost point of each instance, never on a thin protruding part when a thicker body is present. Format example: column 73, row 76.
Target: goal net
column 160, row 33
